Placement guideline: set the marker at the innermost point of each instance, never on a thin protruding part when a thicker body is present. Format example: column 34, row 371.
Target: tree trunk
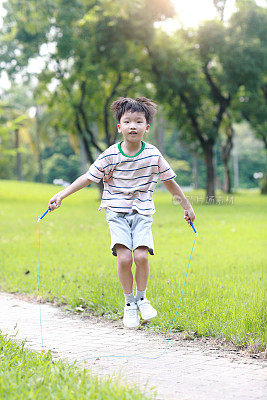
column 236, row 167
column 227, row 178
column 215, row 167
column 110, row 136
column 195, row 171
column 17, row 145
column 40, row 168
column 83, row 156
column 100, row 184
column 210, row 183
column 225, row 154
column 101, row 188
column 159, row 134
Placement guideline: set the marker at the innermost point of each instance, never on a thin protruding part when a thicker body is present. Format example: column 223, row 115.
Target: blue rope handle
column 49, row 209
column 192, row 225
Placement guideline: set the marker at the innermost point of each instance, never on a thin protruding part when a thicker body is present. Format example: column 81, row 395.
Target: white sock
column 140, row 294
column 129, row 298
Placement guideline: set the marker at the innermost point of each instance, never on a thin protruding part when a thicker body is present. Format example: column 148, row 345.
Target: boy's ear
column 119, row 127
column 147, row 128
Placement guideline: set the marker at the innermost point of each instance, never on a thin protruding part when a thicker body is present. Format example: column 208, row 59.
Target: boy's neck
column 130, row 148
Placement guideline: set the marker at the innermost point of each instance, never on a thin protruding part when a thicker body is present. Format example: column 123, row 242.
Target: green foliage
column 11, row 119
column 178, row 165
column 95, row 44
column 251, row 105
column 175, row 148
column 59, row 166
column 251, row 156
column 60, row 160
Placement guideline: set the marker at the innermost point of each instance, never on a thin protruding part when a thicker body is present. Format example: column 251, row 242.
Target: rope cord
column 39, row 291
column 114, row 355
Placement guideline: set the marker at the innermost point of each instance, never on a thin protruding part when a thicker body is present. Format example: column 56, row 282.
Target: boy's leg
column 141, row 277
column 125, row 262
column 142, row 267
column 142, row 245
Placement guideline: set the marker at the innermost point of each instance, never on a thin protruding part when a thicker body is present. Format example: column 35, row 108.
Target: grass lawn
column 224, row 293
column 25, row 374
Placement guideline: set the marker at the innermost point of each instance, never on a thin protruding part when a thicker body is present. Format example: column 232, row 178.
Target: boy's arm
column 78, row 184
column 178, row 194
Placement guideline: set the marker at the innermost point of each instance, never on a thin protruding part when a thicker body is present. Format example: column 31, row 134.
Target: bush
column 59, row 166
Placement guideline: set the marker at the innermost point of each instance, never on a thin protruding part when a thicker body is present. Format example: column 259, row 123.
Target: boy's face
column 133, row 126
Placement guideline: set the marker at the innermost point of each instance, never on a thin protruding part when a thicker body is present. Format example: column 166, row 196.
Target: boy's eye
column 139, row 122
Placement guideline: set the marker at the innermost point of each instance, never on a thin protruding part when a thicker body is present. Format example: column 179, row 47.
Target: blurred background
column 62, row 63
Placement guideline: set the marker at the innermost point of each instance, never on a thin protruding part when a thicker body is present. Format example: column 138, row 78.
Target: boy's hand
column 55, row 202
column 189, row 215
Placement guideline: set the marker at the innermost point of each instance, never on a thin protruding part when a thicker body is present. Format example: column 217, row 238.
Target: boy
column 130, row 170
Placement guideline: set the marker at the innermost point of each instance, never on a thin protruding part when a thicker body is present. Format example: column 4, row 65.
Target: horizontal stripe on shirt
column 143, row 176
column 139, row 177
column 142, row 191
column 125, row 161
column 124, row 198
column 162, row 180
column 129, row 179
column 136, row 169
column 142, row 209
column 99, row 169
column 131, row 187
column 116, row 154
column 97, row 177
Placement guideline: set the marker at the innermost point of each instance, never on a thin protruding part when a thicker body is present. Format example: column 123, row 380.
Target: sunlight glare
column 190, row 13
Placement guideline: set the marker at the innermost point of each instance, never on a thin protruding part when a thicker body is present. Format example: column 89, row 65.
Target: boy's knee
column 141, row 255
column 124, row 254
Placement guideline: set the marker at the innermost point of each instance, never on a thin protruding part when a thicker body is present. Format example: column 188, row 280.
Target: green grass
column 224, row 293
column 25, row 374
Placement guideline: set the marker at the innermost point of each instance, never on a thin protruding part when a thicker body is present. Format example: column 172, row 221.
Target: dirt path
column 187, row 371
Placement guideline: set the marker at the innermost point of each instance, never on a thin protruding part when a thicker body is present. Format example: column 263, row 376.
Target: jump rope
column 114, row 355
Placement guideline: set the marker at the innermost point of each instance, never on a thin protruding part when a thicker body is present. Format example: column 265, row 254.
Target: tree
column 181, row 83
column 249, row 25
column 11, row 121
column 97, row 49
column 200, row 74
column 220, row 6
column 14, row 119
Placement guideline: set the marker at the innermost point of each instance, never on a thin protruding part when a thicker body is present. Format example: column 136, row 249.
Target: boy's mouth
column 133, row 133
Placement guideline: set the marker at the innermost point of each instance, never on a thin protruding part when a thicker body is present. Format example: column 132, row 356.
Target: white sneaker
column 146, row 310
column 131, row 317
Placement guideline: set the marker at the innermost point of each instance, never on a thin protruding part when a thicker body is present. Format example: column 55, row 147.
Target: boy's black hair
column 140, row 104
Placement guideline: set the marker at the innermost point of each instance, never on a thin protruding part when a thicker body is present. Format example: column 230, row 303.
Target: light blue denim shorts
column 130, row 229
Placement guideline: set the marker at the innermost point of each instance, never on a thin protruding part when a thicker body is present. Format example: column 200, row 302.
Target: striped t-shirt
column 129, row 181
